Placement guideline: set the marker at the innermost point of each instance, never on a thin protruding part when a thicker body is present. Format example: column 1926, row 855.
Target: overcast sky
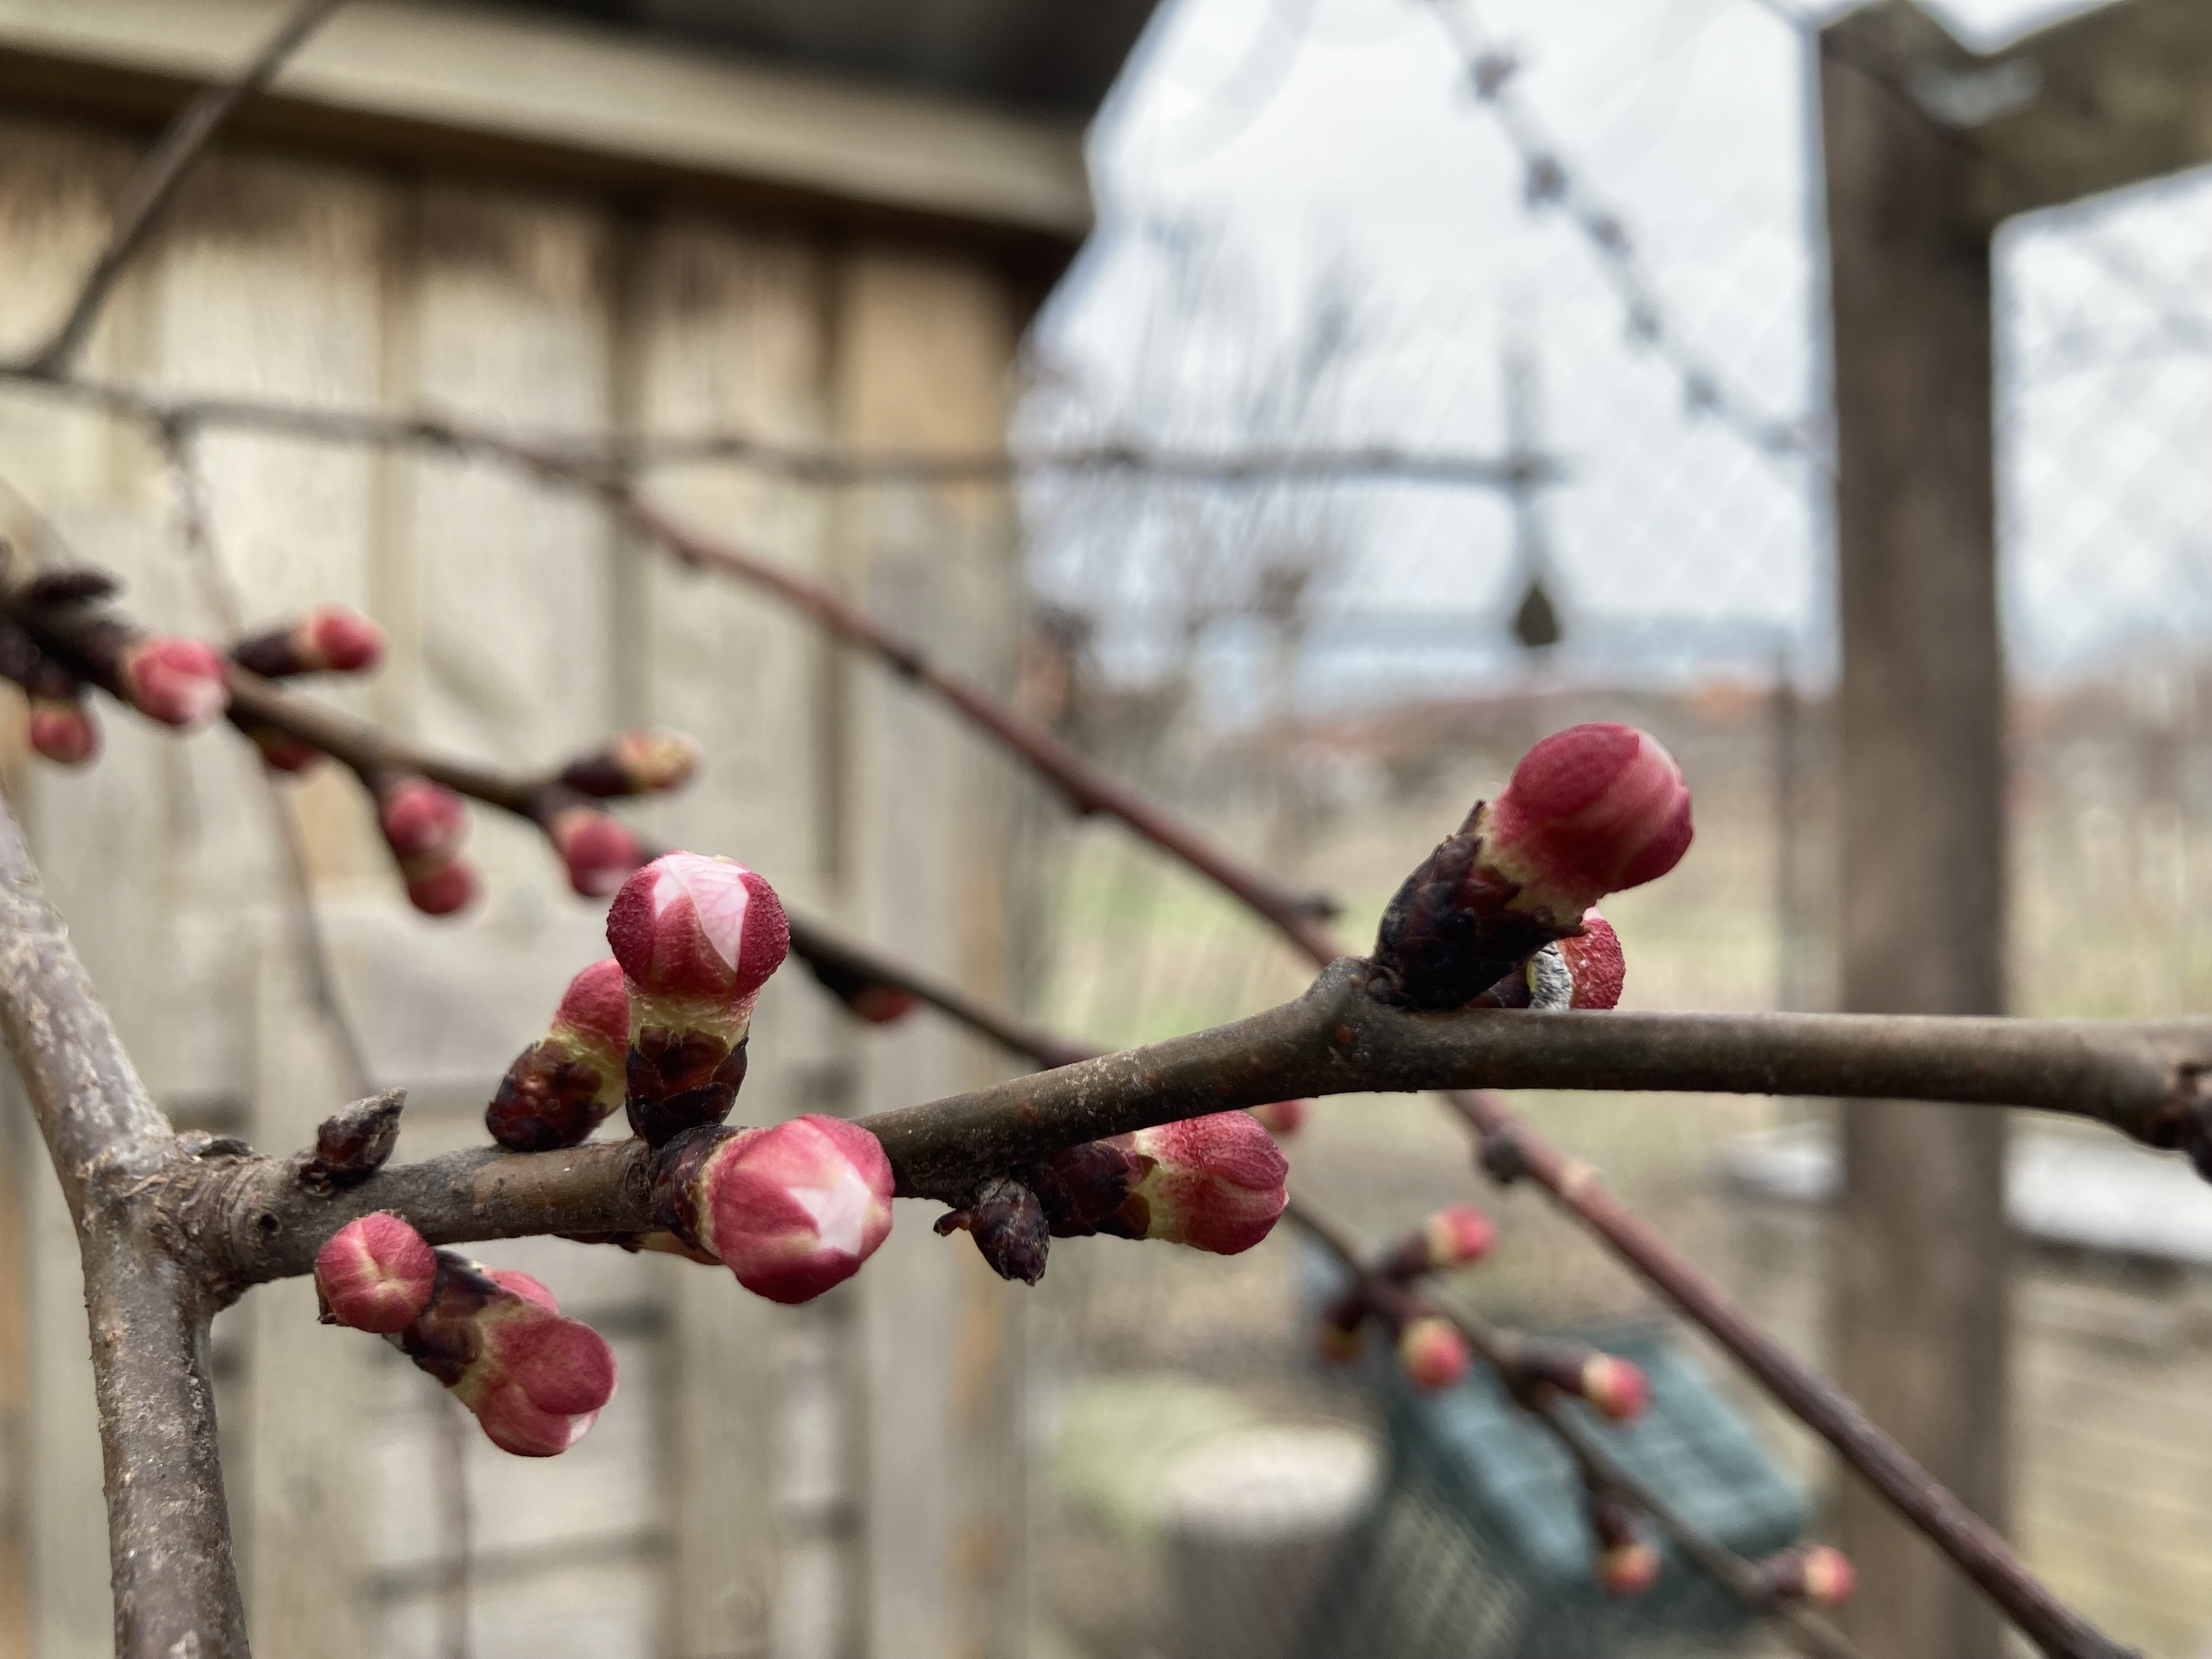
column 1314, row 150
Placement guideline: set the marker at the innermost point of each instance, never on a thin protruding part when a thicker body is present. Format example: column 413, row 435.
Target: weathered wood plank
column 2117, row 96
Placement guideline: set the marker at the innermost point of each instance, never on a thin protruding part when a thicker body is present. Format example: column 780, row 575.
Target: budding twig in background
column 1815, row 1574
column 1616, row 1389
column 568, row 1082
column 1589, row 811
column 648, row 762
column 1626, row 1563
column 424, row 824
column 696, row 937
column 791, row 1209
column 328, row 640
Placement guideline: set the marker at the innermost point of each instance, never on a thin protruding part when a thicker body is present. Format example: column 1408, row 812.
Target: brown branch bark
column 175, row 1581
column 154, row 185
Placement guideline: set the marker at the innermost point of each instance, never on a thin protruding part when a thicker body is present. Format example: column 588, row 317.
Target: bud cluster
column 424, row 824
column 1589, row 811
column 697, row 938
column 535, row 1381
column 1431, row 1350
column 791, row 1210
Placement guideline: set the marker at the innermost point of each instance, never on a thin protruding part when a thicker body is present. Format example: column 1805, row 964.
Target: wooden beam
column 1920, row 1273
column 2108, row 99
column 452, row 88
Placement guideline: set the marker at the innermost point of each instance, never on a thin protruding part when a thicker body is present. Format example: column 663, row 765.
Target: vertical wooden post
column 1921, row 1248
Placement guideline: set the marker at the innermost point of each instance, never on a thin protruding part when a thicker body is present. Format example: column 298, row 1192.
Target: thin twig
column 154, row 185
column 608, row 454
column 311, row 946
column 1731, row 1572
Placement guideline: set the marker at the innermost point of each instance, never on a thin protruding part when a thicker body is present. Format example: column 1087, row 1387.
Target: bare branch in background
column 152, row 187
column 176, row 1581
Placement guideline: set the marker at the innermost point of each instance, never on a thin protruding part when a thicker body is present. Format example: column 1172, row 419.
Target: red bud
column 1595, row 961
column 1628, row 1570
column 794, row 1209
column 1282, row 1118
column 1816, row 1574
column 1433, row 1352
column 1589, row 810
column 375, row 1274
column 63, row 731
column 335, row 640
column 1213, row 1182
column 441, row 889
column 1614, row 1387
column 706, row 932
column 1457, row 1235
column 173, row 679
column 568, row 1083
column 599, row 852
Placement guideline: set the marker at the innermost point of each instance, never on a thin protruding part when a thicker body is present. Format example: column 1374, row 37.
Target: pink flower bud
column 1213, row 1183
column 1628, row 1570
column 535, row 1381
column 703, row 932
column 1457, row 1235
column 644, row 763
column 600, row 852
column 421, row 820
column 1282, row 1118
column 1816, row 1574
column 568, row 1083
column 334, row 640
column 1626, row 1565
column 374, row 1274
column 1614, row 1387
column 329, row 639
column 63, row 731
column 697, row 937
column 791, row 1210
column 1432, row 1353
column 173, row 679
column 1595, row 962
column 281, row 751
column 1589, row 811
column 440, row 889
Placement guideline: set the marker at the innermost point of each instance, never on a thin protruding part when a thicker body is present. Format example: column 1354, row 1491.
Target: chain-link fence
column 1328, row 675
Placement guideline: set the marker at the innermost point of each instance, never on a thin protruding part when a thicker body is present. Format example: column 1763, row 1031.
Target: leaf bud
column 1008, row 1224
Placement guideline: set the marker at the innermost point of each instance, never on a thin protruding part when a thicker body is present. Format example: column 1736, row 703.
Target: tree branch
column 1731, row 1572
column 154, row 185
column 613, row 454
column 176, row 1584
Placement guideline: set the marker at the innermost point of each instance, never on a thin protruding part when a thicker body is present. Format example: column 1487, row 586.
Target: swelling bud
column 697, row 938
column 1432, row 1353
column 791, row 1210
column 374, row 1274
column 570, row 1081
column 1589, row 811
column 643, row 762
column 598, row 852
column 177, row 681
column 535, row 1381
column 63, row 731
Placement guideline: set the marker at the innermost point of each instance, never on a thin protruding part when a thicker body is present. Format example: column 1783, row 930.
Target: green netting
column 1478, row 1548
